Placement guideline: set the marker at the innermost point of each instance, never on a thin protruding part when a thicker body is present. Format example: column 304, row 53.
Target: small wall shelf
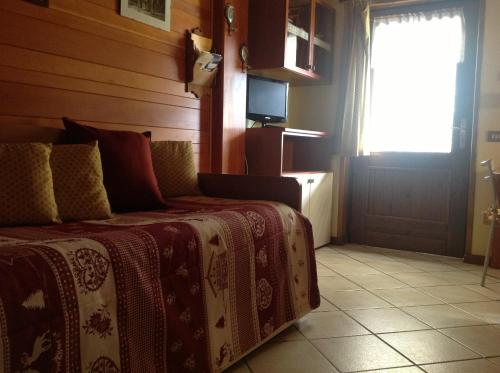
column 275, row 151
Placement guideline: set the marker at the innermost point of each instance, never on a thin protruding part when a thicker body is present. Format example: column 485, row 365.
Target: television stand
column 304, row 155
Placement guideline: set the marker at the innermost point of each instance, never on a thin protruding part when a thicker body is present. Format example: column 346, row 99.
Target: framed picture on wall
column 155, row 13
column 39, row 2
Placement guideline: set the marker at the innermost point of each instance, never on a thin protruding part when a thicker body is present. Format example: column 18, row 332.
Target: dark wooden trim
column 280, row 189
column 474, row 131
column 474, row 259
column 338, row 241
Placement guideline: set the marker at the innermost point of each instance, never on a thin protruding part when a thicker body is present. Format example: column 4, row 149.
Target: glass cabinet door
column 323, row 39
column 297, row 48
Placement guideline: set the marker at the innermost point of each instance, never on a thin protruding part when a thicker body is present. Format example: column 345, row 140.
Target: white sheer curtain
column 413, row 61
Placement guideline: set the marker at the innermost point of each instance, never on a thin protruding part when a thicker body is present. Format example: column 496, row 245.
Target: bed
column 192, row 288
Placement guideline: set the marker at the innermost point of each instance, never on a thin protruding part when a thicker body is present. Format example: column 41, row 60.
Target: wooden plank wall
column 81, row 59
column 229, row 93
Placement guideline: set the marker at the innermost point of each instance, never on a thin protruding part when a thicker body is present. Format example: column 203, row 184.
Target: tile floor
column 390, row 311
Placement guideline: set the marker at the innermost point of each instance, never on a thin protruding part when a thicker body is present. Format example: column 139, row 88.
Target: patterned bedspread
column 189, row 289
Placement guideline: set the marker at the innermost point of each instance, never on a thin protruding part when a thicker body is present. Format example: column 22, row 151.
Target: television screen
column 267, row 100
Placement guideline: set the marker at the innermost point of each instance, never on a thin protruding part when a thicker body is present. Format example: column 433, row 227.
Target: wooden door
column 418, row 201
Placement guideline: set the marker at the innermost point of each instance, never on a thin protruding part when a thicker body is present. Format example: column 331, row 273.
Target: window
column 414, row 64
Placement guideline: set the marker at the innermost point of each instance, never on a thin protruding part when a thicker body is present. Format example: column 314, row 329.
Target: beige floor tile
column 406, row 297
column 487, row 311
column 323, row 270
column 433, row 266
column 454, row 294
column 485, row 340
column 240, row 367
column 325, row 306
column 467, row 366
column 427, row 346
column 381, row 281
column 358, row 299
column 459, row 277
column 325, row 250
column 459, row 263
column 487, row 291
column 369, row 257
column 289, row 334
column 494, row 272
column 422, row 279
column 443, row 316
column 356, row 268
column 490, row 278
column 353, row 354
column 289, row 357
column 387, row 320
column 334, row 258
column 408, row 256
column 329, row 325
column 396, row 370
column 394, row 267
column 335, row 283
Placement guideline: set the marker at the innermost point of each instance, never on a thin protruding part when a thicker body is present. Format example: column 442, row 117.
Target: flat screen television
column 267, row 100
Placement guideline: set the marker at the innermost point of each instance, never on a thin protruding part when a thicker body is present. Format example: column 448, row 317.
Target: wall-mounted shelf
column 201, row 63
column 292, row 40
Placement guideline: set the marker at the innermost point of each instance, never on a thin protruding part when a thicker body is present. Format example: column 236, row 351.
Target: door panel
column 401, row 202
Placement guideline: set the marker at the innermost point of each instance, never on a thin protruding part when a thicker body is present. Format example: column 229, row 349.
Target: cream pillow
column 26, row 186
column 173, row 162
column 78, row 182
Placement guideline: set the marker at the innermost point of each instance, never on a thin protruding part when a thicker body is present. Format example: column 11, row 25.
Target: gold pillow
column 174, row 167
column 78, row 182
column 26, row 186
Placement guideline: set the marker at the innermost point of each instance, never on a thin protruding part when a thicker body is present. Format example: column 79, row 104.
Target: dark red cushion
column 129, row 176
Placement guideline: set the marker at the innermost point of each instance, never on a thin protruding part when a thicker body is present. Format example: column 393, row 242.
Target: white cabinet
column 317, row 203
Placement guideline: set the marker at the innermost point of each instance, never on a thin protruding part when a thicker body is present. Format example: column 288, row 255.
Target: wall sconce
column 244, row 58
column 229, row 16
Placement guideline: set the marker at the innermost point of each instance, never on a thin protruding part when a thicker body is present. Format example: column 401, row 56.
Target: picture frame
column 155, row 13
column 44, row 3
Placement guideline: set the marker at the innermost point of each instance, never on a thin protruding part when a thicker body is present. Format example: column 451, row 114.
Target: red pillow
column 129, row 177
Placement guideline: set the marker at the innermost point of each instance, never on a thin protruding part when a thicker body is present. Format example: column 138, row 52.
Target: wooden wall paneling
column 229, row 93
column 15, row 75
column 43, row 62
column 80, row 58
column 159, row 133
column 103, row 30
column 20, row 99
column 33, row 34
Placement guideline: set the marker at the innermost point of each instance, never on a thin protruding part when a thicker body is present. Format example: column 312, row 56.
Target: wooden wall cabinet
column 292, row 40
column 305, row 155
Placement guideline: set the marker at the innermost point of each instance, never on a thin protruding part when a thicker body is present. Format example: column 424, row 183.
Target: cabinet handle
column 310, row 181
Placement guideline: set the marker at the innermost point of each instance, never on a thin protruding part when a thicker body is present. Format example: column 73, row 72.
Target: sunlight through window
column 414, row 61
